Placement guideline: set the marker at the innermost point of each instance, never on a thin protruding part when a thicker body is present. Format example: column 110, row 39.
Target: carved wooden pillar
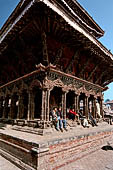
column 5, row 114
column 43, row 109
column 45, row 104
column 47, row 111
column 86, row 102
column 76, row 103
column 31, row 105
column 94, row 108
column 12, row 106
column 1, row 107
column 44, row 49
column 11, row 112
column 20, row 113
column 101, row 108
column 19, row 104
column 64, row 104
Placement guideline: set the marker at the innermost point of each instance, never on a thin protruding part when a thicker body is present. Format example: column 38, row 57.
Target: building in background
column 108, row 107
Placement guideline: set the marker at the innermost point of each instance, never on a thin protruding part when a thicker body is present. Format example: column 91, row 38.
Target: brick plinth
column 53, row 153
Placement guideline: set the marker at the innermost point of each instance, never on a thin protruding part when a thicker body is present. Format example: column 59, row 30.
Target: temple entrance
column 15, row 106
column 5, row 107
column 82, row 102
column 1, row 107
column 37, row 102
column 25, row 104
column 70, row 100
column 55, row 97
column 91, row 105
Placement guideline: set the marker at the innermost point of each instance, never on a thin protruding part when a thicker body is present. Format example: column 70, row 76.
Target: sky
column 100, row 10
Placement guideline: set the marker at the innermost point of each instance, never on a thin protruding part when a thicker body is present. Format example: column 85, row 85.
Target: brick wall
column 54, row 154
column 69, row 150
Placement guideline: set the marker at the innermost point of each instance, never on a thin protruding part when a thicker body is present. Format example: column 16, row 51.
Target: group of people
column 57, row 116
column 60, row 123
column 80, row 117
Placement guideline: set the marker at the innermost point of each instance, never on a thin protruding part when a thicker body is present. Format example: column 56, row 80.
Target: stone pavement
column 99, row 160
column 6, row 165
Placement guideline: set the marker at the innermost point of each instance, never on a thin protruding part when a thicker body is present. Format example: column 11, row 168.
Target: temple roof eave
column 79, row 29
column 86, row 13
column 72, row 23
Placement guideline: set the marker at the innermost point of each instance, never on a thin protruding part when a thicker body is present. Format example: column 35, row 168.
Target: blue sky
column 100, row 10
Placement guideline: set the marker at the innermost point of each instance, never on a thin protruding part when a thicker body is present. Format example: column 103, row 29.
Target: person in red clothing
column 73, row 114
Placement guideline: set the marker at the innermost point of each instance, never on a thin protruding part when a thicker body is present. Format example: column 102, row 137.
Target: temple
column 51, row 56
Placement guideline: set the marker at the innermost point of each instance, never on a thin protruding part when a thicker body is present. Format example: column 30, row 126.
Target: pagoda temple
column 51, row 56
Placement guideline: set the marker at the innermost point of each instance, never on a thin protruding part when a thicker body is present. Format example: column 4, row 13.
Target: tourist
column 57, row 119
column 64, row 123
column 93, row 121
column 85, row 123
column 73, row 114
column 83, row 119
column 53, row 114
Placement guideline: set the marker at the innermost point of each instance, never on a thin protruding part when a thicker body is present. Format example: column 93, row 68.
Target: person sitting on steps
column 83, row 119
column 73, row 114
column 63, row 123
column 93, row 121
column 56, row 119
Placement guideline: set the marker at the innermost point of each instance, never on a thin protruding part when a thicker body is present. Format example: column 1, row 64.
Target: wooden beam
column 100, row 77
column 44, row 49
column 76, row 55
column 85, row 66
column 92, row 72
column 58, row 55
column 108, row 82
column 36, row 25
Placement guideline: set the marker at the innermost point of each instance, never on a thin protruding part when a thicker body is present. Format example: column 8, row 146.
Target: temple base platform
column 54, row 150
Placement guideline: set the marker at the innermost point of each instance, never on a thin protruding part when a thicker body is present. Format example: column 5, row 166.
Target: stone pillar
column 47, row 108
column 64, row 104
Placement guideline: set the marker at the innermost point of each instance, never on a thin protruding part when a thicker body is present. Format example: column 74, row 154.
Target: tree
column 107, row 100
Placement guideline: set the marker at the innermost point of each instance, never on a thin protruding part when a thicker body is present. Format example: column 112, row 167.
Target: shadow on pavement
column 107, row 147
